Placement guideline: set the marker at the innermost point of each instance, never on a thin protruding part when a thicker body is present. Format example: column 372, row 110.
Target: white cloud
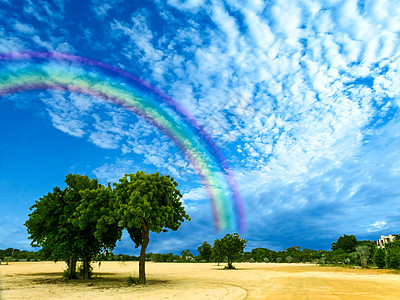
column 23, row 28
column 195, row 194
column 64, row 116
column 319, row 82
column 111, row 172
column 377, row 226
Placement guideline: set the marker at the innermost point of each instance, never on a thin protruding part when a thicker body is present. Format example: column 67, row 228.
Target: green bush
column 67, row 274
column 379, row 258
column 133, row 280
column 392, row 257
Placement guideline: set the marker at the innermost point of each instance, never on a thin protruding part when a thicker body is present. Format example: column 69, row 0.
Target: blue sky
column 302, row 96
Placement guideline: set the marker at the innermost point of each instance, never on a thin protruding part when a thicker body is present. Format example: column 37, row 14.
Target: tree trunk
column 142, row 257
column 86, row 267
column 230, row 266
column 72, row 266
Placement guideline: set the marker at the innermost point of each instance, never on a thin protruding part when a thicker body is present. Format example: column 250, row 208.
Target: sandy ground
column 42, row 280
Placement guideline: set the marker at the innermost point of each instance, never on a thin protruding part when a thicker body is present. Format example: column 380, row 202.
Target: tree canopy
column 205, row 251
column 148, row 202
column 59, row 225
column 347, row 243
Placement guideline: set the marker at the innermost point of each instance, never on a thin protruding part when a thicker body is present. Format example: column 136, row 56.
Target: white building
column 385, row 239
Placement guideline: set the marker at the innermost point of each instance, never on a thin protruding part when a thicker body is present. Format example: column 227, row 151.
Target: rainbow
column 32, row 71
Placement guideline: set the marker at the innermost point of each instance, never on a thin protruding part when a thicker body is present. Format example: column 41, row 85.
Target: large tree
column 148, row 202
column 62, row 233
column 230, row 246
column 205, row 251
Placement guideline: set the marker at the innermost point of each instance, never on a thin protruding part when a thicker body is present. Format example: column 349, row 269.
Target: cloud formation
column 303, row 98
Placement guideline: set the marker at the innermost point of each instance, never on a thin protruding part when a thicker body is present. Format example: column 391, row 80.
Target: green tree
column 205, row 251
column 379, row 258
column 347, row 242
column 295, row 253
column 230, row 246
column 148, row 202
column 289, row 259
column 217, row 254
column 53, row 226
column 392, row 257
column 364, row 253
column 99, row 230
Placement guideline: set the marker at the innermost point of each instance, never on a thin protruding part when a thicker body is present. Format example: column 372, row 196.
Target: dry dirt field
column 42, row 280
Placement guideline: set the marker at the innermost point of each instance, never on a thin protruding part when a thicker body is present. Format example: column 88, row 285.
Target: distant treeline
column 11, row 254
column 346, row 251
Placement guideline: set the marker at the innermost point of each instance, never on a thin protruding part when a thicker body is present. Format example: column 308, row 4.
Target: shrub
column 133, row 280
column 67, row 274
column 230, row 267
column 266, row 259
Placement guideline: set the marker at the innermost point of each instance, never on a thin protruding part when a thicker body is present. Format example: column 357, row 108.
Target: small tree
column 230, row 245
column 363, row 252
column 217, row 254
column 144, row 203
column 205, row 251
column 379, row 258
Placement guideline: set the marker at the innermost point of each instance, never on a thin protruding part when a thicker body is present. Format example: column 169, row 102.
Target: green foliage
column 288, row 259
column 364, row 254
column 67, row 274
column 355, row 258
column 347, row 243
column 230, row 246
column 65, row 222
column 379, row 258
column 82, row 271
column 144, row 203
column 205, row 251
column 392, row 257
column 148, row 199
